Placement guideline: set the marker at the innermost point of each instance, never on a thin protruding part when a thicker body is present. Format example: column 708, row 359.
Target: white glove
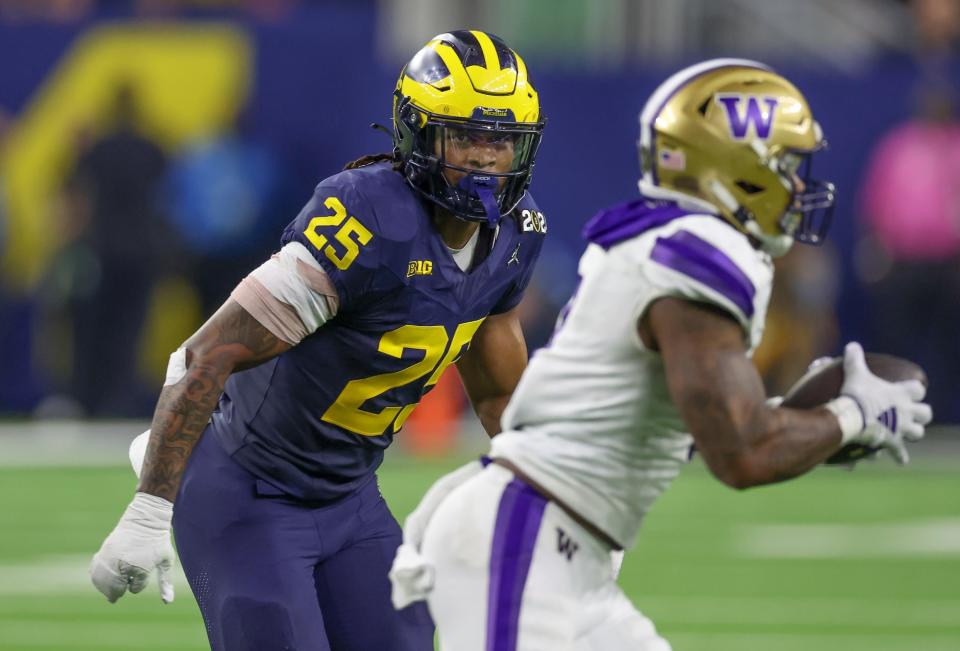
column 874, row 412
column 139, row 543
column 411, row 575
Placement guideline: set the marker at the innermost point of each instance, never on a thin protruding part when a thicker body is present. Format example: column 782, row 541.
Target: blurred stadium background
column 209, row 122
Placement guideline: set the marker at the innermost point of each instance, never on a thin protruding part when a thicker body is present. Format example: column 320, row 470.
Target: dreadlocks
column 370, row 159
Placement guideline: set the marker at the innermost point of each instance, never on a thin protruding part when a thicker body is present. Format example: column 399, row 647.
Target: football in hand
column 823, row 384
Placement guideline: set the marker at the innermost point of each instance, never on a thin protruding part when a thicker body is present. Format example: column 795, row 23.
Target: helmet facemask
column 810, row 211
column 807, row 203
column 437, row 162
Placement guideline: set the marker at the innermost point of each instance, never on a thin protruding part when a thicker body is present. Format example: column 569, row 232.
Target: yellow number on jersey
column 346, row 410
column 351, row 235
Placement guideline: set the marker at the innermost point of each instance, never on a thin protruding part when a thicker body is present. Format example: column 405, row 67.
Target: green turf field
column 863, row 561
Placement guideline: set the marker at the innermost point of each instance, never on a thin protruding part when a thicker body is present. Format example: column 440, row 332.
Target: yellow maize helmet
column 737, row 135
column 471, row 82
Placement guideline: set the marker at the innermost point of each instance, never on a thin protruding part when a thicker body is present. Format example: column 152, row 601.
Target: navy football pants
column 272, row 573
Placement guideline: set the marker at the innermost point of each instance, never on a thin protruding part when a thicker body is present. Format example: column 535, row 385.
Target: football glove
column 877, row 413
column 139, row 543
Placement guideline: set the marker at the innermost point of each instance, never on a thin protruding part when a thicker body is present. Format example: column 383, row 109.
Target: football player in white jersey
column 651, row 355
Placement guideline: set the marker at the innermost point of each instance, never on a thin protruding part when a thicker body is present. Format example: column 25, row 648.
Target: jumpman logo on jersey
column 515, row 257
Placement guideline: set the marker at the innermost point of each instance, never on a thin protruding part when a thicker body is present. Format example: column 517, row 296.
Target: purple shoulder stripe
column 692, row 256
column 613, row 225
column 514, row 536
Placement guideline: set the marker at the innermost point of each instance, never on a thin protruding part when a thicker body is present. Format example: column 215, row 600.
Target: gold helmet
column 466, row 85
column 737, row 135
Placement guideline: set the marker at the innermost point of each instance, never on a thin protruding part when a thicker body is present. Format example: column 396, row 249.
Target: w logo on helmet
column 740, row 121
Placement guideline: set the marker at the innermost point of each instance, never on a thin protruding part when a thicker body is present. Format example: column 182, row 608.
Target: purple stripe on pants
column 514, row 536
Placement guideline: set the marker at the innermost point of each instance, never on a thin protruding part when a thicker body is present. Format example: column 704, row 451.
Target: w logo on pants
column 741, row 119
column 566, row 545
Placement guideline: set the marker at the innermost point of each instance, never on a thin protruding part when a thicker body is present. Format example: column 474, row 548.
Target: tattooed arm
column 720, row 396
column 231, row 340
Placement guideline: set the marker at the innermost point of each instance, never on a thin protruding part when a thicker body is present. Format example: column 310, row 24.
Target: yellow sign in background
column 190, row 81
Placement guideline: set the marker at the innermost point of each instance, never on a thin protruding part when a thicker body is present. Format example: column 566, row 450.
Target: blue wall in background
column 319, row 84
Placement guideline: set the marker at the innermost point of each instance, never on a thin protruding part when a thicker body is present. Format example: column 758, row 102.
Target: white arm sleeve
column 290, row 294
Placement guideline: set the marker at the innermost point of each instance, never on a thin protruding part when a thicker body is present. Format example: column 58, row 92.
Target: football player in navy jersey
column 397, row 267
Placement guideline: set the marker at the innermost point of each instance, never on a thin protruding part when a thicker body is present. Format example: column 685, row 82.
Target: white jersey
column 592, row 420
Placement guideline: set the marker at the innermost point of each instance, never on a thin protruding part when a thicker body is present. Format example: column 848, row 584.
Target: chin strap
column 774, row 245
column 484, row 188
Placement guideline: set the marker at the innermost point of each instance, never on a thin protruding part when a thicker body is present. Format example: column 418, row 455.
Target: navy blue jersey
column 314, row 422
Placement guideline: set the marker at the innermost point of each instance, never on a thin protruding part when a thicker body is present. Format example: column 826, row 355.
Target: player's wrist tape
column 176, row 367
column 849, row 414
column 147, row 509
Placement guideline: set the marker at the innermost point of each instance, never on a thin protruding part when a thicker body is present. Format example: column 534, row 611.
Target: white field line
column 935, row 537
column 139, row 633
column 67, row 443
column 60, row 575
column 806, row 611
column 67, row 575
column 806, row 642
column 105, row 442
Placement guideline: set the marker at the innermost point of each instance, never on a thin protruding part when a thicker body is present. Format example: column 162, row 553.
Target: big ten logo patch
column 533, row 220
column 419, row 268
column 566, row 545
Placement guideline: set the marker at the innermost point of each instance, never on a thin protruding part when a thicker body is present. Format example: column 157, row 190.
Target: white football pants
column 515, row 573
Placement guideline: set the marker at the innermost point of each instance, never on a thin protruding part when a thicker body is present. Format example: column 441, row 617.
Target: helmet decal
column 476, row 48
column 740, row 122
column 676, row 82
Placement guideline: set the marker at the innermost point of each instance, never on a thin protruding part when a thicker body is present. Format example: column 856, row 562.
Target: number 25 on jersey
column 439, row 352
column 351, row 235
